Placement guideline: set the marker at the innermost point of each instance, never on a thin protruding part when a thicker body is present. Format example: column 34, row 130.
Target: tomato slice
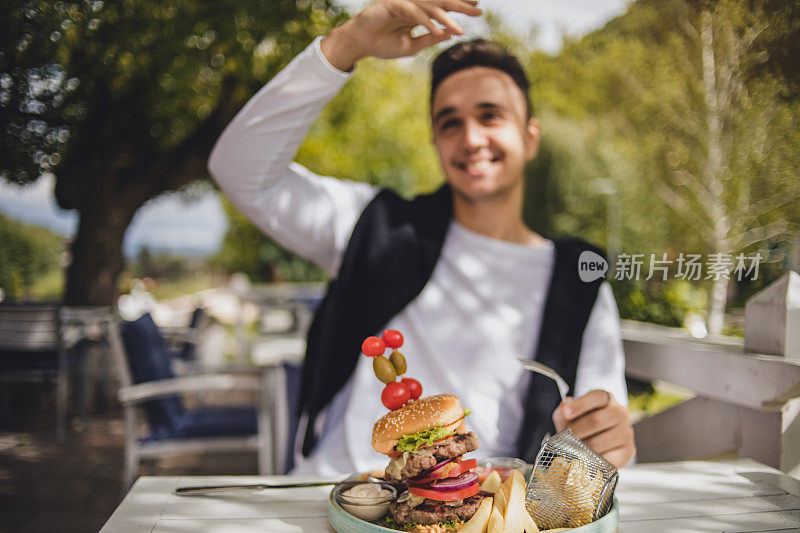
column 446, row 495
column 453, row 469
column 440, row 440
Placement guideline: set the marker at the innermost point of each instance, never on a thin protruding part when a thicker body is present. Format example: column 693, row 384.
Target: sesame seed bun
column 416, row 416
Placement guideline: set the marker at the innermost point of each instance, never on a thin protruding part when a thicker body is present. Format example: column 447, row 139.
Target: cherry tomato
column 395, row 395
column 373, row 346
column 414, row 387
column 393, row 338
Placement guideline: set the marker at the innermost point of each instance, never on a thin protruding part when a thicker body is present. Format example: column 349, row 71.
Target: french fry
column 527, row 521
column 478, row 522
column 495, row 521
column 513, row 520
column 558, row 471
column 505, row 486
column 500, row 500
column 580, row 488
column 518, row 478
column 492, row 482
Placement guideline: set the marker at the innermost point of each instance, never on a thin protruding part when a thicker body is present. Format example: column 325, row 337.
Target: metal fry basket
column 571, row 484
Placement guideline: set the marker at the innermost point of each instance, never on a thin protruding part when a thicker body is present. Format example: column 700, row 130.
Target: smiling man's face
column 482, row 134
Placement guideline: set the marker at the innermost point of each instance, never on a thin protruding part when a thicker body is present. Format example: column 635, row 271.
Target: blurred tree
column 728, row 156
column 685, row 96
column 123, row 100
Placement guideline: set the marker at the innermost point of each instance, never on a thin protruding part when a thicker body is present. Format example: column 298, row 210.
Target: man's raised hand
column 383, row 30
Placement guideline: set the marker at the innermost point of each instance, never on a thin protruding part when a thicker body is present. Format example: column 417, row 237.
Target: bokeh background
column 669, row 127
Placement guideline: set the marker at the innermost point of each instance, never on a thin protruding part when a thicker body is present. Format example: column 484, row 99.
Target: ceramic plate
column 344, row 522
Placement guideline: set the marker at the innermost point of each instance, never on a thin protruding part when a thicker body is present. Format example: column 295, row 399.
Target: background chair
column 32, row 350
column 149, row 384
column 182, row 342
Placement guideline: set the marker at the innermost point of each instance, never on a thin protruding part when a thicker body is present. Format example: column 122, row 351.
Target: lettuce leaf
column 415, row 441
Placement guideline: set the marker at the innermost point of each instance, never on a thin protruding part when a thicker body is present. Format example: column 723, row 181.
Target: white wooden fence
column 746, row 403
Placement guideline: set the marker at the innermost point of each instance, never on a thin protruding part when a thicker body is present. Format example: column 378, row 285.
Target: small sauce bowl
column 503, row 466
column 369, row 508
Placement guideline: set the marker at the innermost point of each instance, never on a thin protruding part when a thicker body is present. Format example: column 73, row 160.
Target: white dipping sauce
column 368, row 501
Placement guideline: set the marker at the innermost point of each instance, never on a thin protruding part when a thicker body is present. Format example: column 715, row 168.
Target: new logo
column 591, row 266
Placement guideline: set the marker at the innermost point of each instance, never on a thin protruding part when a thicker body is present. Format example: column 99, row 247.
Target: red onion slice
column 455, row 483
column 435, row 468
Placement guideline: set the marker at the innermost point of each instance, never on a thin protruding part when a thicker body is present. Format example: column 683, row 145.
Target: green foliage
column 636, row 88
column 653, row 401
column 27, row 254
column 666, row 303
column 122, row 100
column 246, row 249
column 49, row 286
column 377, row 130
column 164, row 265
column 148, row 72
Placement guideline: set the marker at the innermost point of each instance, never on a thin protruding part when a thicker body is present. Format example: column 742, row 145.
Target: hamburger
column 426, row 440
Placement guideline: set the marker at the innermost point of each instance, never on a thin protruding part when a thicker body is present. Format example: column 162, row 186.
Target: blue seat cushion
column 149, row 360
column 294, row 375
column 211, row 422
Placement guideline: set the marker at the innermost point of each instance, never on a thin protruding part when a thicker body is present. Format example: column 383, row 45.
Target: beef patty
column 432, row 511
column 420, row 460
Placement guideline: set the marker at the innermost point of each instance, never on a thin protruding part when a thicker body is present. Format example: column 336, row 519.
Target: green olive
column 383, row 369
column 398, row 362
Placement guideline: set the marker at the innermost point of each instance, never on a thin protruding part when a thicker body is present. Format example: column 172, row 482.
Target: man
column 457, row 272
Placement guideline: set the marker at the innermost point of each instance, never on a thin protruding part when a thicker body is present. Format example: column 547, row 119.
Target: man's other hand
column 383, row 30
column 602, row 422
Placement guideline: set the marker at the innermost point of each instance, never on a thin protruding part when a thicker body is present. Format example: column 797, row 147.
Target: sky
column 169, row 222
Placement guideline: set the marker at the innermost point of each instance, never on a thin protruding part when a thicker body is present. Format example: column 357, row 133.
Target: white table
column 692, row 496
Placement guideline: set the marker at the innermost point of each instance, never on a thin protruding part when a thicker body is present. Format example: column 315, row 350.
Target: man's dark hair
column 479, row 53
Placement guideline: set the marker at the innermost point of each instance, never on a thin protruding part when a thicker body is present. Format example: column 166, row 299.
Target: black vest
column 390, row 257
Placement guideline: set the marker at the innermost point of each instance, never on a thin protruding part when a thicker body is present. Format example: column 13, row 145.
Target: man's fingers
column 588, row 402
column 610, row 439
column 441, row 16
column 621, row 456
column 416, row 15
column 595, row 422
column 462, row 6
column 559, row 420
column 426, row 40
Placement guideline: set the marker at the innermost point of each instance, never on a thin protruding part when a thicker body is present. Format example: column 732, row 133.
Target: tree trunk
column 97, row 258
column 714, row 169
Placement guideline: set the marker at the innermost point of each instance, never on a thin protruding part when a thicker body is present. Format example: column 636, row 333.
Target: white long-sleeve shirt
column 481, row 309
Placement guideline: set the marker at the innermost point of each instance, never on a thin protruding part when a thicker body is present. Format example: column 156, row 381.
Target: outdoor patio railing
column 745, row 403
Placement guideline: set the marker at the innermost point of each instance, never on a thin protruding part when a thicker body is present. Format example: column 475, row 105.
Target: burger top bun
column 416, row 416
